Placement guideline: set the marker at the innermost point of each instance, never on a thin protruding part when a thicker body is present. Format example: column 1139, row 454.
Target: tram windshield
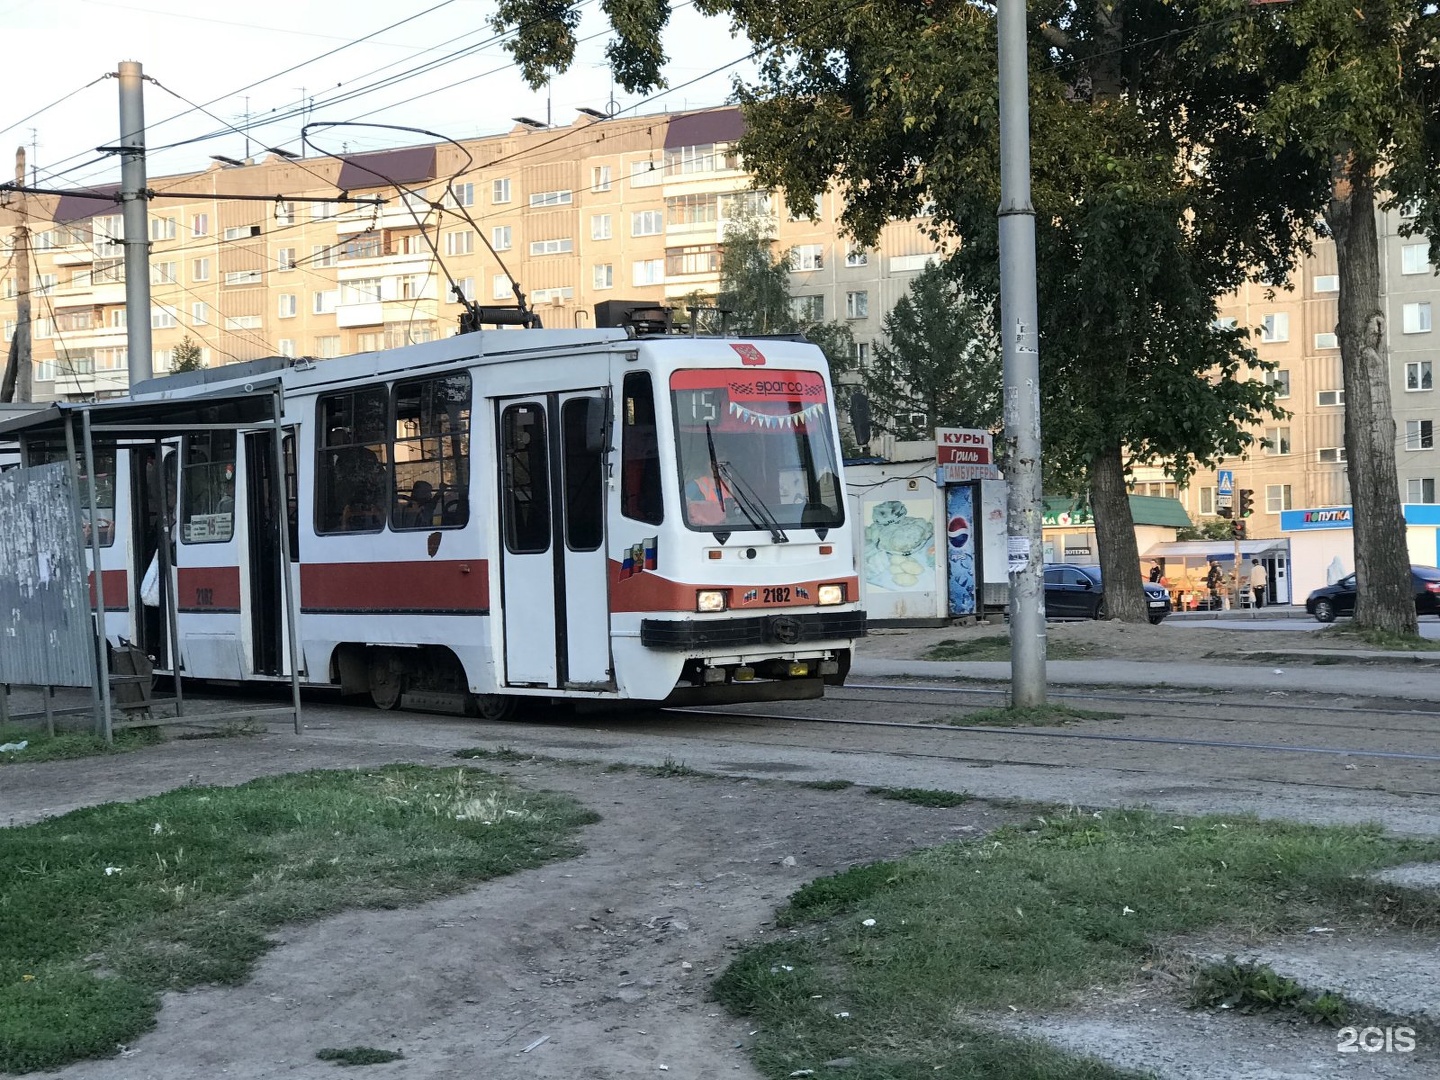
column 757, row 450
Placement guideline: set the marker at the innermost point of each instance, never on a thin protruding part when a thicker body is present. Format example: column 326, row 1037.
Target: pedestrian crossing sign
column 1226, row 485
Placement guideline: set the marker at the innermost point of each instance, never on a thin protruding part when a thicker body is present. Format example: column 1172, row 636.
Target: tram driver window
column 431, row 479
column 640, row 493
column 207, row 488
column 351, row 461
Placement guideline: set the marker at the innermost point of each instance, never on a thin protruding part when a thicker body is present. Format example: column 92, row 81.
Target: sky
column 266, row 56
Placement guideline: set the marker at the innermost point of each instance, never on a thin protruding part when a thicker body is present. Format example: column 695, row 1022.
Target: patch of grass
column 500, row 753
column 1257, row 988
column 107, row 907
column 358, row 1055
column 1035, row 916
column 1377, row 639
column 72, row 744
column 1049, row 715
column 997, row 647
column 231, row 729
column 826, row 785
column 922, row 796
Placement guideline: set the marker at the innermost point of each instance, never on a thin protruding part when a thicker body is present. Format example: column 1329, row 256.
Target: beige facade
column 603, row 209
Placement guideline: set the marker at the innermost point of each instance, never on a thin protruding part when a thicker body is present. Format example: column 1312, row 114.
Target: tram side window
column 207, row 488
column 104, row 455
column 526, row 479
column 640, row 496
column 584, row 486
column 431, row 486
column 352, row 461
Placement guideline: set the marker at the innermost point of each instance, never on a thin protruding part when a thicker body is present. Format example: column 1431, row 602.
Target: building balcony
column 76, row 256
column 371, row 313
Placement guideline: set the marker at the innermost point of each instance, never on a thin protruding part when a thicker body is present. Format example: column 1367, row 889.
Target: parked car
column 1339, row 599
column 1077, row 592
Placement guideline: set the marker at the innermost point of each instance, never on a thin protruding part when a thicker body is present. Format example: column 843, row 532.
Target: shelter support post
column 287, row 576
column 102, row 643
column 97, row 705
column 167, row 522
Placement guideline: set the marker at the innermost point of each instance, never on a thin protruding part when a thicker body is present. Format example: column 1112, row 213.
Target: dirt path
column 609, row 955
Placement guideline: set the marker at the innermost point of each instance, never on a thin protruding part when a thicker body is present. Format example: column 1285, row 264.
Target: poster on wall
column 899, row 550
column 960, row 548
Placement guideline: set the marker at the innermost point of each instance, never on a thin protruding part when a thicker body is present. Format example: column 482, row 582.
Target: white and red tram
column 502, row 515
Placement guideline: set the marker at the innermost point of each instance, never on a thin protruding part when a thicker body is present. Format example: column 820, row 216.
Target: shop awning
column 1219, row 550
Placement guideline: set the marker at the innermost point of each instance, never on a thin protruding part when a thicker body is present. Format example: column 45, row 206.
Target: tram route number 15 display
column 699, row 407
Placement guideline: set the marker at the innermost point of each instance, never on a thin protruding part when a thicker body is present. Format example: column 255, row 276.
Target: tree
column 188, row 356
column 896, row 104
column 940, row 361
column 1351, row 89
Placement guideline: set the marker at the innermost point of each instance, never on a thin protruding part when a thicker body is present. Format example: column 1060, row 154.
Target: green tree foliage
column 188, row 356
column 1348, row 90
column 940, row 360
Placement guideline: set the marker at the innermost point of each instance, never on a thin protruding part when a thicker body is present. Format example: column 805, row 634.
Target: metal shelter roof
column 150, row 418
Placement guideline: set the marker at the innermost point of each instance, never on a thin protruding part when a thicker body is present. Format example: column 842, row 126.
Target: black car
column 1076, row 592
column 1339, row 599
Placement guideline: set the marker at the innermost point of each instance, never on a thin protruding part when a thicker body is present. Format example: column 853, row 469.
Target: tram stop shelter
column 52, row 606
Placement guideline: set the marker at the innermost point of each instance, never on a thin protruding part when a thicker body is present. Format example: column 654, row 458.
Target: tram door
column 267, row 514
column 153, row 491
column 554, row 575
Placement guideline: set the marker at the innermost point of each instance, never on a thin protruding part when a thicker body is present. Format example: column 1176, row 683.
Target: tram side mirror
column 597, row 425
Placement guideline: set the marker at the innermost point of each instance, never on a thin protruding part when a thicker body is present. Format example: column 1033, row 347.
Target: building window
column 1420, row 490
column 322, row 211
column 856, row 256
column 199, row 313
column 1415, row 258
column 646, row 173
column 648, row 272
column 551, row 296
column 289, row 305
column 807, row 257
column 1327, row 283
column 324, row 255
column 242, row 232
column 466, row 286
column 162, row 273
column 45, row 284
column 462, row 194
column 117, row 318
column 242, row 277
column 285, row 259
column 324, row 303
column 550, row 198
column 600, row 227
column 1417, row 375
column 705, row 157
column 857, row 305
column 500, row 191
column 692, row 260
column 605, row 276
column 862, row 354
column 284, row 212
column 1277, row 498
column 1330, row 397
column 243, row 322
column 162, row 228
column 327, row 346
column 1415, row 318
column 460, row 242
column 1277, row 441
column 813, row 212
column 1280, row 380
column 1419, row 435
column 1327, row 341
column 810, row 309
column 1330, row 455
column 200, row 225
column 200, row 270
column 600, row 178
column 647, row 223
column 1207, row 501
column 1224, row 322
column 285, row 346
column 162, row 317
column 1275, row 327
column 692, row 209
column 500, row 238
column 559, row 246
column 500, row 287
column 360, row 291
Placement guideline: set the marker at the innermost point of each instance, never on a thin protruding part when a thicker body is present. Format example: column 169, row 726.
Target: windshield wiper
column 715, row 468
column 753, row 506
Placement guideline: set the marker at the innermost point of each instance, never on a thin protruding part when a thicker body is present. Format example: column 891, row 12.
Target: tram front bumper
column 785, row 630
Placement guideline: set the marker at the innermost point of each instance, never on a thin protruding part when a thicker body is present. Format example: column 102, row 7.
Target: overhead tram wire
column 53, row 104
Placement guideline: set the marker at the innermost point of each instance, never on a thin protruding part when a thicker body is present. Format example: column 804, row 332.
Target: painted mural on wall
column 899, row 550
column 960, row 548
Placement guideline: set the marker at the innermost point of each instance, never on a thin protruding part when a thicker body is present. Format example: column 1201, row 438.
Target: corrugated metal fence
column 47, row 636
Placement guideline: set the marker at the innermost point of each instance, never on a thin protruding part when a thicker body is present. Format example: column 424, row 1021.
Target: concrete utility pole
column 133, row 198
column 1020, row 345
column 16, row 385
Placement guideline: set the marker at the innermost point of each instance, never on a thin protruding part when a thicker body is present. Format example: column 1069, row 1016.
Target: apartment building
column 632, row 208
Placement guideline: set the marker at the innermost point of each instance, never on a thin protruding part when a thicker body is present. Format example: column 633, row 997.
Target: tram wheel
column 386, row 685
column 497, row 706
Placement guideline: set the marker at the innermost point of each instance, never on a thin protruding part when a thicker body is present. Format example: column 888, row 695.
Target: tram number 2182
column 777, row 595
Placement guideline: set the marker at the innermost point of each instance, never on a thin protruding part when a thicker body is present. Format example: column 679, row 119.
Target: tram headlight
column 710, row 600
column 830, row 594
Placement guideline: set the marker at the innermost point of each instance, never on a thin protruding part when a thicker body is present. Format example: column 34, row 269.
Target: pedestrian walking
column 1258, row 581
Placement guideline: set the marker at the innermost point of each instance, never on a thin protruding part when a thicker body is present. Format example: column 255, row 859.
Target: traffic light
column 1247, row 503
column 1223, row 511
column 1237, row 530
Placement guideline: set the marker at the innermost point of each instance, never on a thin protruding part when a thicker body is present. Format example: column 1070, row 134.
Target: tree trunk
column 1115, row 537
column 1386, row 598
